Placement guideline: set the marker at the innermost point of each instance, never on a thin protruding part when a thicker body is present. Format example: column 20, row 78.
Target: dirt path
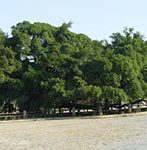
column 76, row 134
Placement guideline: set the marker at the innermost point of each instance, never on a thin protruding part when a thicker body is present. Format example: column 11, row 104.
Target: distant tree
column 112, row 95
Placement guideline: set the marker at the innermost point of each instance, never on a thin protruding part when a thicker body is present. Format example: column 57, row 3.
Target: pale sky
column 96, row 18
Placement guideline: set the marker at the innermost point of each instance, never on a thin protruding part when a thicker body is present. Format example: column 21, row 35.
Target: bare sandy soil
column 106, row 133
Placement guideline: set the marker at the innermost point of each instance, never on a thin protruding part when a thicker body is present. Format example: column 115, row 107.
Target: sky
column 96, row 18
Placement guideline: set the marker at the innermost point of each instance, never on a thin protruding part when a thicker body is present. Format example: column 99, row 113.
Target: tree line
column 43, row 67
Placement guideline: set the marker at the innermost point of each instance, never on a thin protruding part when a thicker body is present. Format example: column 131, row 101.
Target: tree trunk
column 50, row 111
column 129, row 108
column 70, row 110
column 120, row 106
column 78, row 110
column 100, row 110
column 24, row 114
column 54, row 111
column 73, row 111
column 138, row 107
column 60, row 112
column 107, row 105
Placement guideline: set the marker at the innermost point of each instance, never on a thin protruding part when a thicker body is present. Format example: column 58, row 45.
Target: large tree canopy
column 42, row 66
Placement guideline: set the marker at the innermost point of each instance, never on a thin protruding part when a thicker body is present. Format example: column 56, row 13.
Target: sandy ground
column 106, row 133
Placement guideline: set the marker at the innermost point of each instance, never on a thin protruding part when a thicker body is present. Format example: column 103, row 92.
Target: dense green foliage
column 42, row 66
